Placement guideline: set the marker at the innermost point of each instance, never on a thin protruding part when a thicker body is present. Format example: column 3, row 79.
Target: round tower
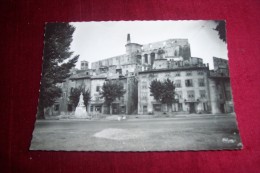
column 132, row 47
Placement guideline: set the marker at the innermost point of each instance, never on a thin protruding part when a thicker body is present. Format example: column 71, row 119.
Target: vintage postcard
column 136, row 86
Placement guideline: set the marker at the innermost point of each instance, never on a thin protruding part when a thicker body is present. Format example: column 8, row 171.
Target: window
column 145, row 109
column 144, row 85
column 144, row 96
column 205, row 106
column 146, row 58
column 200, row 72
column 91, row 108
column 178, row 74
column 167, row 74
column 69, row 107
column 178, row 83
column 119, row 71
column 180, row 107
column 189, row 73
column 179, row 93
column 201, row 82
column 191, row 94
column 97, row 88
column 188, row 83
column 202, row 94
column 56, row 107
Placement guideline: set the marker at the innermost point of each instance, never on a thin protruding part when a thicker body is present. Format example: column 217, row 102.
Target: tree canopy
column 156, row 88
column 163, row 92
column 168, row 94
column 74, row 96
column 112, row 90
column 57, row 63
column 86, row 97
column 221, row 29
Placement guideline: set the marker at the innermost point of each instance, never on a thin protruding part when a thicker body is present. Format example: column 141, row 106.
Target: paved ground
column 181, row 133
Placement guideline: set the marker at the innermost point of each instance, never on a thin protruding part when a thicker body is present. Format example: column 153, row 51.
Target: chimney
column 128, row 38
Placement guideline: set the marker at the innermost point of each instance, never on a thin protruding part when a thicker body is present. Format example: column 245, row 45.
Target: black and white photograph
column 135, row 86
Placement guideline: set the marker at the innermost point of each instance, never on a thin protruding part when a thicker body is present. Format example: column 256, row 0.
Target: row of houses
column 198, row 89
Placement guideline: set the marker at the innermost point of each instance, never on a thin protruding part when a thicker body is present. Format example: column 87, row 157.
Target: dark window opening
column 146, row 58
column 188, row 83
column 201, row 82
column 145, row 109
column 56, row 107
column 69, row 107
column 98, row 88
column 119, row 71
column 180, row 107
column 189, row 74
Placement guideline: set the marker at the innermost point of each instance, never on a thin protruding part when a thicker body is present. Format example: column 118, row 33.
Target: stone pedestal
column 80, row 111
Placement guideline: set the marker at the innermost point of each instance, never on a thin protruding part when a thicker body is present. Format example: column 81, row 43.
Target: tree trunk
column 40, row 112
column 110, row 109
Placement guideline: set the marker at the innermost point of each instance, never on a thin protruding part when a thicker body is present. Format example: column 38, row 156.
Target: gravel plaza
column 203, row 132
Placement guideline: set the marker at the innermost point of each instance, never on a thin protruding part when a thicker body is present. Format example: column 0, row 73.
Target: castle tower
column 132, row 47
column 84, row 65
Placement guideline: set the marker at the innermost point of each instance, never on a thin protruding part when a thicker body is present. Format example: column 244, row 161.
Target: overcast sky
column 95, row 41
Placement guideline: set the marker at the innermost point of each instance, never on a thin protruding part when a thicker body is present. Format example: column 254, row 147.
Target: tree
column 75, row 94
column 110, row 91
column 163, row 92
column 168, row 94
column 86, row 98
column 221, row 28
column 57, row 63
column 156, row 88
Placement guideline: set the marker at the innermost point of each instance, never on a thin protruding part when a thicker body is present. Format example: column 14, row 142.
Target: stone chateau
column 198, row 89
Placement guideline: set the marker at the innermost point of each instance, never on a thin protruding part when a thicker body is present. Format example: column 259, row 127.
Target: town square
column 157, row 96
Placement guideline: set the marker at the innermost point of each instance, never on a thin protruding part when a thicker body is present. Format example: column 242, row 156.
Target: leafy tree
column 168, row 94
column 75, row 94
column 221, row 29
column 57, row 63
column 163, row 92
column 156, row 88
column 86, row 98
column 110, row 91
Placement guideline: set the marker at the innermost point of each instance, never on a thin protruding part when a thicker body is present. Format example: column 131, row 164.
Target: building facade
column 197, row 88
column 191, row 90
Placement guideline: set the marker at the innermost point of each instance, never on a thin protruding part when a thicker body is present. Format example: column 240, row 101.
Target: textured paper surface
column 23, row 31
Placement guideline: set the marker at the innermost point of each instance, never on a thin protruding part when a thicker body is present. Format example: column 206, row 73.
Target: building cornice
column 173, row 69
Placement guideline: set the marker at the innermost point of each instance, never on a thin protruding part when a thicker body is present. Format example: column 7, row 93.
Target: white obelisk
column 80, row 111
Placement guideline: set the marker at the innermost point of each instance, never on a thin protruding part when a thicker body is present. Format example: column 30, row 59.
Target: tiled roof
column 80, row 74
